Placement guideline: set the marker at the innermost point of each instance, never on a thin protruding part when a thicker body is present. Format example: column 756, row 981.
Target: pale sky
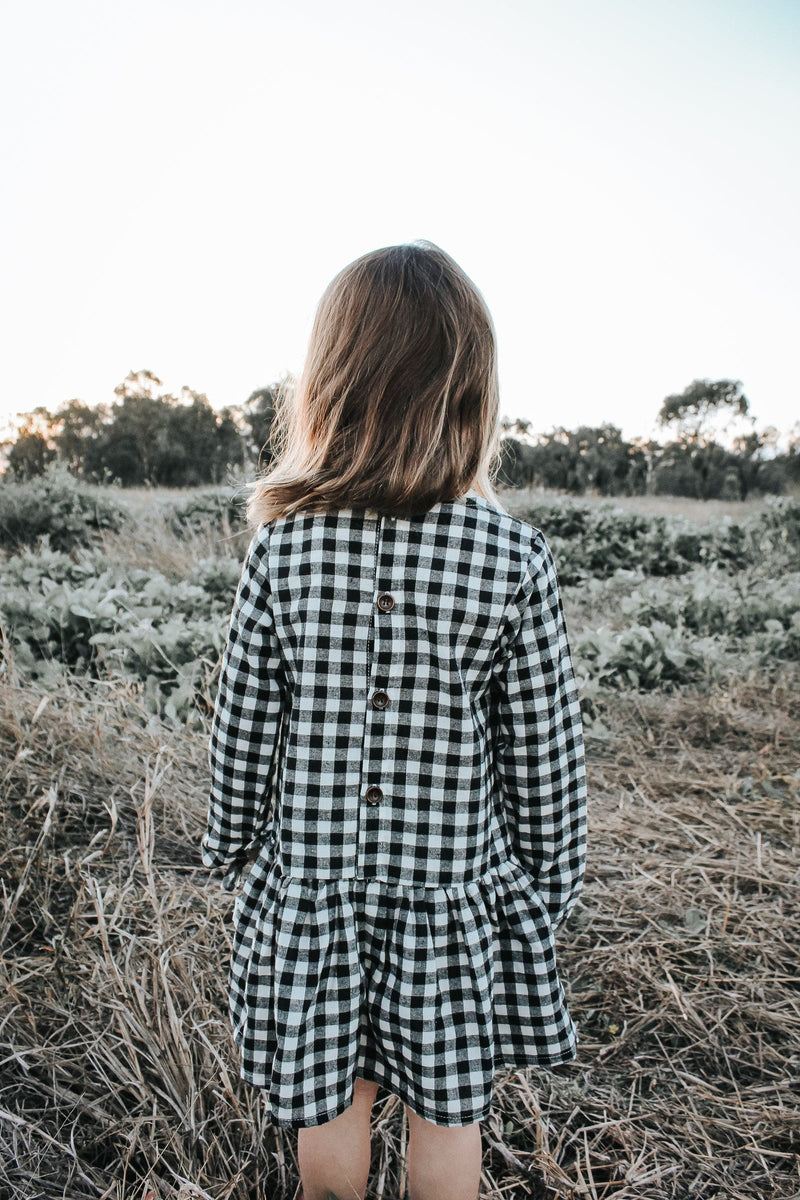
column 621, row 180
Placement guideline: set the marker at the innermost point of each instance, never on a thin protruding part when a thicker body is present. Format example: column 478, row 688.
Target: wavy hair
column 397, row 406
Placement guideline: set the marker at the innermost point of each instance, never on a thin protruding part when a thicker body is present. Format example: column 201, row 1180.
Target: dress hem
column 518, row 1064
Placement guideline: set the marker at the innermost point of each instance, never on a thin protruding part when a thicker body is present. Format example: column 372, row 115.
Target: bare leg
column 335, row 1157
column 444, row 1161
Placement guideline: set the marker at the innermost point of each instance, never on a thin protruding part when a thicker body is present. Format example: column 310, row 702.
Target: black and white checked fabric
column 398, row 734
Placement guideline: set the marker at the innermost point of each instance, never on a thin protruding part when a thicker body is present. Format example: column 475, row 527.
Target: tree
column 515, row 468
column 692, row 412
column 29, row 455
column 76, row 426
column 685, row 469
column 602, row 458
column 231, row 448
column 190, row 455
column 554, row 462
column 259, row 413
column 746, row 460
column 520, row 426
column 140, row 419
column 138, row 383
column 643, row 455
column 692, row 409
column 32, row 448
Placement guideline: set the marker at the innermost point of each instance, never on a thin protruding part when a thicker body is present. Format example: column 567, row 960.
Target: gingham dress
column 398, row 733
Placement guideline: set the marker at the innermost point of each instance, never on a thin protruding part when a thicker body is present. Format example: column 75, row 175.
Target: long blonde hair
column 397, row 407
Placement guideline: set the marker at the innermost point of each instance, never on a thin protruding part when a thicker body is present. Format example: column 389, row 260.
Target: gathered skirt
column 426, row 991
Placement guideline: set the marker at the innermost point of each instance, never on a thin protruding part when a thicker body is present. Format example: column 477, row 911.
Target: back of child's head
column 397, row 406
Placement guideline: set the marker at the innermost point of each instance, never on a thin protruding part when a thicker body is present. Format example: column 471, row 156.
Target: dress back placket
column 372, row 840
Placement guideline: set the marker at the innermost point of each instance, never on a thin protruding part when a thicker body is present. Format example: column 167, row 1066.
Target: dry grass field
column 699, row 512
column 118, row 1075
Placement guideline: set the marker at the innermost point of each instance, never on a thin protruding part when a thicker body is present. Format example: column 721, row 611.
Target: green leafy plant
column 57, row 506
column 220, row 508
column 96, row 616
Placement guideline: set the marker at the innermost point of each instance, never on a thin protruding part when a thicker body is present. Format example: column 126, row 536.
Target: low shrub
column 57, row 506
column 220, row 509
column 595, row 542
column 93, row 615
column 711, row 604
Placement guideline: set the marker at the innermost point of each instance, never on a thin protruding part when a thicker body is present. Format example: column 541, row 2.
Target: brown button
column 379, row 699
column 374, row 794
column 385, row 602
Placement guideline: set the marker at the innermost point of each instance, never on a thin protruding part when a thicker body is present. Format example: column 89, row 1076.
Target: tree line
column 148, row 436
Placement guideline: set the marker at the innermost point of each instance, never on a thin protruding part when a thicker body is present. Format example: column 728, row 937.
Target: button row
column 380, row 699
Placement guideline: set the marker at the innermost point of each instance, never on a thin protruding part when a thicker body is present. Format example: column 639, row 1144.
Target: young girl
column 397, row 743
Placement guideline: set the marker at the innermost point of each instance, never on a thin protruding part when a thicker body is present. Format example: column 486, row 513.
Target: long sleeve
column 539, row 752
column 246, row 723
